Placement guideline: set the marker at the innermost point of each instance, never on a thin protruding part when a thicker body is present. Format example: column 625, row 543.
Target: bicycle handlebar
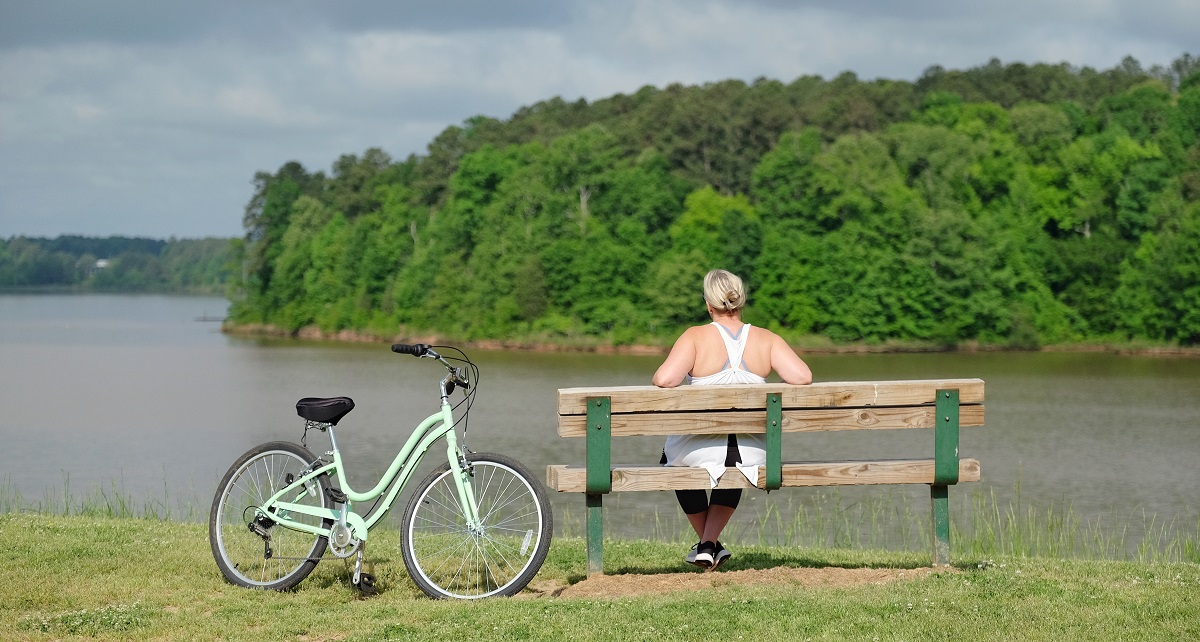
column 457, row 376
column 415, row 349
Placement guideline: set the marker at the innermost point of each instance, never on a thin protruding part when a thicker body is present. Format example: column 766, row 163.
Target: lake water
column 139, row 396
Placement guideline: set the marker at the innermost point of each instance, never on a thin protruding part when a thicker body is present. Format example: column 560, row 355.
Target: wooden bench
column 600, row 414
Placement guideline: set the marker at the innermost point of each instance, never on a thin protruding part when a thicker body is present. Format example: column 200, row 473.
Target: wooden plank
column 754, row 421
column 573, row 401
column 572, row 479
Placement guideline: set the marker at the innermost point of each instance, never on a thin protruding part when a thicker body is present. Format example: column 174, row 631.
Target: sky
column 150, row 117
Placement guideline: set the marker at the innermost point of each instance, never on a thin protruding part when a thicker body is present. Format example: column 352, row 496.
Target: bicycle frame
column 436, row 426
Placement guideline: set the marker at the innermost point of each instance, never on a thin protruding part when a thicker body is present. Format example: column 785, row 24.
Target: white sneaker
column 705, row 554
column 708, row 560
column 720, row 555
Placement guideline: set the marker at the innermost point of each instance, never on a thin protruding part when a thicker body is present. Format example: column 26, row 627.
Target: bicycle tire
column 445, row 559
column 240, row 553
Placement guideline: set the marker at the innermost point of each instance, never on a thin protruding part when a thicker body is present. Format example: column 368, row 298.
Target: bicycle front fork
column 462, row 471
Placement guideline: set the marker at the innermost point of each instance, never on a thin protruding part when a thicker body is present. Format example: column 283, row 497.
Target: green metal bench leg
column 599, row 478
column 941, row 524
column 945, row 454
column 595, row 535
column 774, row 467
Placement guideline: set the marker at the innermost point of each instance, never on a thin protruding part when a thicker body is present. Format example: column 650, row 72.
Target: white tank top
column 734, row 370
column 708, row 451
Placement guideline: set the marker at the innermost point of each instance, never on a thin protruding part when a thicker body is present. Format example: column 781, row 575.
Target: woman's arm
column 790, row 367
column 678, row 363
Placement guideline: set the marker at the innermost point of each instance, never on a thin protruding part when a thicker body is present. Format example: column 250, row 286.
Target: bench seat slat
column 754, row 421
column 573, row 401
column 572, row 479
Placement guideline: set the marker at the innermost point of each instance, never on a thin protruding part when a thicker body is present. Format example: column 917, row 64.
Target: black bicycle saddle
column 327, row 410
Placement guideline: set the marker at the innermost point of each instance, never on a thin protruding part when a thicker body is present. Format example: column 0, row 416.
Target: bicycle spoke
column 239, row 550
column 448, row 560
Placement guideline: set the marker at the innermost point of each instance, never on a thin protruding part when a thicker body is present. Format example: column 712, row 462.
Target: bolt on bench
column 600, row 414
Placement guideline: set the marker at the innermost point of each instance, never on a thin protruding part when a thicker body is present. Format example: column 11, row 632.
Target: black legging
column 697, row 501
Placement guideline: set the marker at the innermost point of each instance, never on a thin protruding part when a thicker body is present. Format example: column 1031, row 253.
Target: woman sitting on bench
column 723, row 352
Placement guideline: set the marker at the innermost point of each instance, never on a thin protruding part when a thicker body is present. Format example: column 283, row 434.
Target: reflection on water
column 134, row 394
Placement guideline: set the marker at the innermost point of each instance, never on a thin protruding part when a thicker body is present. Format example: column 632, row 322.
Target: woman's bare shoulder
column 784, row 360
column 697, row 331
column 763, row 334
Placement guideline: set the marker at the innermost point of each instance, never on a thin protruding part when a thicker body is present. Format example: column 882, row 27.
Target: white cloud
column 154, row 122
column 392, row 61
column 258, row 104
column 88, row 113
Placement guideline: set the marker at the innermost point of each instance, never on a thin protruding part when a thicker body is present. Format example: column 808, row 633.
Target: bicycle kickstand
column 364, row 582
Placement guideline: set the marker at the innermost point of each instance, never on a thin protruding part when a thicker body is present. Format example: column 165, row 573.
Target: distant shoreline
column 591, row 345
column 214, row 291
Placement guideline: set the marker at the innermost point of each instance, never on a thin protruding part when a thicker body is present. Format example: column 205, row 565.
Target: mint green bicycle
column 477, row 526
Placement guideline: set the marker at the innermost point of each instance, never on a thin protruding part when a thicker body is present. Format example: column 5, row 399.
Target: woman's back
column 712, row 356
column 763, row 353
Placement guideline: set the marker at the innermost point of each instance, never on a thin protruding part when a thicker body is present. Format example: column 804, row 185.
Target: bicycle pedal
column 336, row 495
column 366, row 584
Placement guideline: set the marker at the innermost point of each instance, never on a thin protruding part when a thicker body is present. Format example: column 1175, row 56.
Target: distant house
column 100, row 265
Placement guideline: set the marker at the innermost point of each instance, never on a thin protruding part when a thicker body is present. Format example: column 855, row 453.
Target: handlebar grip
column 415, row 349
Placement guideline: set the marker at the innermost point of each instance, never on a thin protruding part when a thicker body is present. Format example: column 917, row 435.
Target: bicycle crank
column 342, row 542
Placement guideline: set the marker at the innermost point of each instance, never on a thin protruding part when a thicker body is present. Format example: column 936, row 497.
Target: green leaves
column 1160, row 283
column 1007, row 205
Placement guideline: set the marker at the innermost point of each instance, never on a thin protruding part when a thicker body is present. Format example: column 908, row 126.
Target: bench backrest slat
column 633, row 399
column 826, row 406
column 754, row 421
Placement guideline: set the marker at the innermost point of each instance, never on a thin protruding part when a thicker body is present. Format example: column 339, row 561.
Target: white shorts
column 709, row 452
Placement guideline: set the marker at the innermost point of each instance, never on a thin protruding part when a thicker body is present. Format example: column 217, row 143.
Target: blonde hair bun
column 724, row 291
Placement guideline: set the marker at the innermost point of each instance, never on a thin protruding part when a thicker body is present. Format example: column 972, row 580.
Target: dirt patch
column 631, row 585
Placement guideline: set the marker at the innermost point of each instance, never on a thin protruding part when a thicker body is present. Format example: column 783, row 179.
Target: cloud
column 151, row 118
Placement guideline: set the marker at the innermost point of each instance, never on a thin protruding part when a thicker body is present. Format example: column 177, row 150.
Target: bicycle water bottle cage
column 326, row 410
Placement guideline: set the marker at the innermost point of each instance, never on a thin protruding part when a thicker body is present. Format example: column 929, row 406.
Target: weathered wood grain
column 572, row 479
column 625, row 399
column 754, row 421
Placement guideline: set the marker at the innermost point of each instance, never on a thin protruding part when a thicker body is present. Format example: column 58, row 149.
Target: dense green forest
column 116, row 264
column 1011, row 205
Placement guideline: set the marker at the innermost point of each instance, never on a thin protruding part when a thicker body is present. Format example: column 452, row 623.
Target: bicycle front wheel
column 256, row 552
column 447, row 559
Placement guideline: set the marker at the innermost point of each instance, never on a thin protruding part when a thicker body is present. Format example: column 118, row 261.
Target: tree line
column 117, row 264
column 1015, row 205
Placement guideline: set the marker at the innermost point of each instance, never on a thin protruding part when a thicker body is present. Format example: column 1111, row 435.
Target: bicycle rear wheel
column 446, row 559
column 240, row 542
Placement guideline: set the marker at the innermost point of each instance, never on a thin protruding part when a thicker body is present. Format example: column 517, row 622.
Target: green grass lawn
column 85, row 577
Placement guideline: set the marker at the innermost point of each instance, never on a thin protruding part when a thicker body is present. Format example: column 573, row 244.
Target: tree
column 288, row 293
column 783, row 184
column 1005, row 204
column 1159, row 292
column 725, row 230
column 354, row 182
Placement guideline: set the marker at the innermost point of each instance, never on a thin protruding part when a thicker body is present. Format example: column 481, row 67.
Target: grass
column 886, row 519
column 104, row 578
column 881, row 519
column 1050, row 531
column 109, row 500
